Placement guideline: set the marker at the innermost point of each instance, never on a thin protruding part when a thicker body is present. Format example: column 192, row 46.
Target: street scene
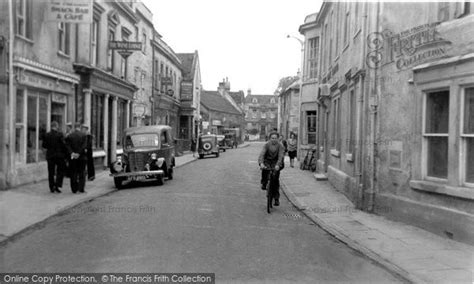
column 201, row 142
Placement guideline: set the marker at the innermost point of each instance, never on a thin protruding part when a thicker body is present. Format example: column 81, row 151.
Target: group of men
column 69, row 155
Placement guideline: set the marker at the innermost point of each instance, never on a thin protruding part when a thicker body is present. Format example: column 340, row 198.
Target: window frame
column 309, row 116
column 25, row 16
column 425, row 136
column 463, row 137
column 64, row 38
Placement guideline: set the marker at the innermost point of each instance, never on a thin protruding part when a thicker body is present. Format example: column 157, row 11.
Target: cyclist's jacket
column 272, row 155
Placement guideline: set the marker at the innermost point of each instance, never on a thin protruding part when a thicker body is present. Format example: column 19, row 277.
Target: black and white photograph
column 236, row 141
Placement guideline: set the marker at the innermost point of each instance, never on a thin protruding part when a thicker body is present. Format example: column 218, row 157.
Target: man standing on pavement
column 76, row 142
column 56, row 154
column 90, row 159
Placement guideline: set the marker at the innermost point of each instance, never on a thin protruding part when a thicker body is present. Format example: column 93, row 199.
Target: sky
column 242, row 40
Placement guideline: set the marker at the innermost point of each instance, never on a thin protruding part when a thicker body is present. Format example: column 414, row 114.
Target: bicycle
column 272, row 187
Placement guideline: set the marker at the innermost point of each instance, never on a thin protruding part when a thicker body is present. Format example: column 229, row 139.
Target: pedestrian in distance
column 90, row 158
column 76, row 142
column 56, row 154
column 292, row 147
column 270, row 157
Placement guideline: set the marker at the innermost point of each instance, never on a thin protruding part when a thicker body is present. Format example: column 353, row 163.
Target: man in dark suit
column 56, row 154
column 76, row 142
column 90, row 158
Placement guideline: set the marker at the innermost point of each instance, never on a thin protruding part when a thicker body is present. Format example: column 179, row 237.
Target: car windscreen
column 141, row 140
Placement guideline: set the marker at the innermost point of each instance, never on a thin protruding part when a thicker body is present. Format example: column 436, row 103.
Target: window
column 468, row 134
column 356, row 16
column 311, row 126
column 97, row 121
column 144, row 42
column 162, row 87
column 20, row 126
column 263, row 114
column 64, row 38
column 23, row 18
column 336, row 124
column 254, row 100
column 37, row 119
column 95, row 42
column 436, row 133
column 313, row 57
column 352, row 121
column 110, row 52
column 272, row 101
column 121, row 119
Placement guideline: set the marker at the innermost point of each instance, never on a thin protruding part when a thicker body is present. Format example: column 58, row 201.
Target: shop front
column 104, row 104
column 43, row 94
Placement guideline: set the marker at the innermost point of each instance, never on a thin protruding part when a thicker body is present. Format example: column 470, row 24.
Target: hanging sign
column 70, row 11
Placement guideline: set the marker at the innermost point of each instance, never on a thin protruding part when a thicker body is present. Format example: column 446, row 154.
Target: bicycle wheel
column 269, row 194
column 269, row 203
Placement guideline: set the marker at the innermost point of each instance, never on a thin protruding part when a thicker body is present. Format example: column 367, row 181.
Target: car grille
column 137, row 161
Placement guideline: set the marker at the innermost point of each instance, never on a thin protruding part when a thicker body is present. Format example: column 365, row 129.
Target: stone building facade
column 395, row 103
column 261, row 114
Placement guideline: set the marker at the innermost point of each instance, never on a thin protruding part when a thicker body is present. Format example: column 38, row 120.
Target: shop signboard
column 70, row 11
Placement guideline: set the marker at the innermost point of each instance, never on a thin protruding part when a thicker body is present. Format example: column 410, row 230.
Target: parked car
column 208, row 145
column 231, row 140
column 148, row 154
column 221, row 142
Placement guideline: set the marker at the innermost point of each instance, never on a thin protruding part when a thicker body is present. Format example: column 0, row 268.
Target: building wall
column 405, row 184
column 393, row 67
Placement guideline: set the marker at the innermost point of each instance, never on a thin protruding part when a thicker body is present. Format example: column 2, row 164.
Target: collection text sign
column 70, row 11
column 125, row 45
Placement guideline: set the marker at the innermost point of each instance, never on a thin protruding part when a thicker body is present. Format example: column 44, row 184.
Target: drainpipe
column 373, row 102
column 12, row 101
column 360, row 121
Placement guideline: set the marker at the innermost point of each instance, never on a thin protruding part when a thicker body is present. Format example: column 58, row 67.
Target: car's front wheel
column 170, row 173
column 159, row 179
column 118, row 182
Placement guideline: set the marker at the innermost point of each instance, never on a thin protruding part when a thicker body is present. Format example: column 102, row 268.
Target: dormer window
column 272, row 101
column 254, row 100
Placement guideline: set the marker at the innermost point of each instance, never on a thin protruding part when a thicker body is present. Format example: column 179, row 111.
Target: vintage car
column 208, row 145
column 148, row 154
column 231, row 140
column 221, row 142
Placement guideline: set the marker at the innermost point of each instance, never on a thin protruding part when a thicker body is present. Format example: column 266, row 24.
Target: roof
column 214, row 101
column 238, row 97
column 187, row 60
column 146, row 129
column 262, row 99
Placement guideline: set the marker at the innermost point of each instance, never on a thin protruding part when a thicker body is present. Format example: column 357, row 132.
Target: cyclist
column 271, row 157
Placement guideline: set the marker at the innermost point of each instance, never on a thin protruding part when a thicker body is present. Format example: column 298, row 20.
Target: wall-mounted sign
column 125, row 45
column 216, row 122
column 70, row 11
column 407, row 48
column 58, row 98
column 186, row 90
column 205, row 124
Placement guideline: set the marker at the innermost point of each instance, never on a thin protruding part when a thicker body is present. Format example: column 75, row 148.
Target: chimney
column 249, row 92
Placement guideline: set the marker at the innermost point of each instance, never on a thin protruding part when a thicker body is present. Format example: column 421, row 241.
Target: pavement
column 414, row 254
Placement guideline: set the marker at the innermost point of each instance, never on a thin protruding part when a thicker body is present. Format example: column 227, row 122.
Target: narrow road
column 210, row 218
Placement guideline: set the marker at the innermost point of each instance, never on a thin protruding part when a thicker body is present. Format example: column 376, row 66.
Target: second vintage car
column 148, row 154
column 208, row 145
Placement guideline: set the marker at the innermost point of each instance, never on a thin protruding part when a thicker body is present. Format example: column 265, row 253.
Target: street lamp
column 300, row 129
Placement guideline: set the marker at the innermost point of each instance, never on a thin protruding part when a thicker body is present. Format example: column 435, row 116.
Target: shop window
column 436, row 133
column 97, row 121
column 37, row 119
column 311, row 126
column 468, row 134
column 121, row 120
column 23, row 18
column 20, row 127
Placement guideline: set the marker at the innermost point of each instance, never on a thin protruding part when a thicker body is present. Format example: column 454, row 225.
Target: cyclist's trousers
column 264, row 181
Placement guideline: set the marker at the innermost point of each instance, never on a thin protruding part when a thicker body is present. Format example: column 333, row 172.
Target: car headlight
column 118, row 165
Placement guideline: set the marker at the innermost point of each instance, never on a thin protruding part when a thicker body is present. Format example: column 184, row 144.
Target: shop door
column 58, row 114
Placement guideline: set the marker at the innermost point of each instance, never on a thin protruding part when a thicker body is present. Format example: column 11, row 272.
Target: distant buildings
column 261, row 115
